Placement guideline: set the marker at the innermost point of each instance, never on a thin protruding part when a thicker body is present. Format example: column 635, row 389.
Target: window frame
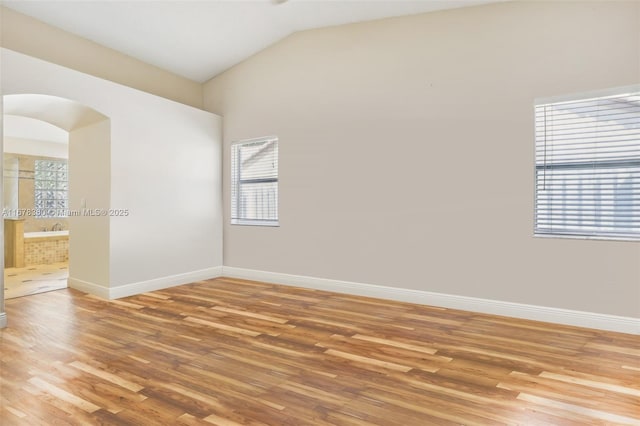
column 236, row 182
column 563, row 234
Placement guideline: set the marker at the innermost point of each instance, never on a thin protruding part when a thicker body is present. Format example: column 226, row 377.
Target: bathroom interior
column 35, row 206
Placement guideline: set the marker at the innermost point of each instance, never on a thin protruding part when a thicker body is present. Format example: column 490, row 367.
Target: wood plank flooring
column 234, row 352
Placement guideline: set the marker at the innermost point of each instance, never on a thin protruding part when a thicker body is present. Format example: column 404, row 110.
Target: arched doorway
column 88, row 137
column 154, row 166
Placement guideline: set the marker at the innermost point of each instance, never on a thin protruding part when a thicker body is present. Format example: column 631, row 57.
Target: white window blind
column 588, row 166
column 254, row 182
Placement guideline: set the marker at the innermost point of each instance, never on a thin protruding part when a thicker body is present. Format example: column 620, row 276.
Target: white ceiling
column 200, row 39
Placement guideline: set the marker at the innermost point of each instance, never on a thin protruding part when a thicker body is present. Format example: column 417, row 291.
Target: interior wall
column 406, row 151
column 90, row 187
column 27, row 35
column 35, row 147
column 164, row 171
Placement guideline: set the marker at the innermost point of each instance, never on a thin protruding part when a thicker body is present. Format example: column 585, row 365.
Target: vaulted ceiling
column 200, row 39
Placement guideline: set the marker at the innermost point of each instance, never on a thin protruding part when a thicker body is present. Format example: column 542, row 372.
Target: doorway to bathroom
column 35, row 206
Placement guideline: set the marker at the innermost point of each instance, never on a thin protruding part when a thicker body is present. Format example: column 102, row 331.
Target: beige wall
column 406, row 151
column 90, row 181
column 35, row 38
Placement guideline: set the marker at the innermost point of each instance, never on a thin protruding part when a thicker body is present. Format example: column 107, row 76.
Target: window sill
column 587, row 237
column 247, row 222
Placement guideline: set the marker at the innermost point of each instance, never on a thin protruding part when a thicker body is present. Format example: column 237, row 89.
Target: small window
column 254, row 182
column 587, row 181
column 51, row 183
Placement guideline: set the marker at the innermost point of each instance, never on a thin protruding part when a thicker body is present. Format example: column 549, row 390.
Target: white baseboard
column 3, row 319
column 87, row 287
column 164, row 282
column 487, row 306
column 144, row 286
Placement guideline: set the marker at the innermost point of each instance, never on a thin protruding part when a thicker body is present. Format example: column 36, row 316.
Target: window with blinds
column 254, row 182
column 587, row 179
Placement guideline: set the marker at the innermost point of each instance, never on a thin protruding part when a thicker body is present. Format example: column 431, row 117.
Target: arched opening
column 54, row 150
column 152, row 166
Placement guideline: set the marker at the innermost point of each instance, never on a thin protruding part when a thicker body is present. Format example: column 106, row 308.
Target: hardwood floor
column 230, row 352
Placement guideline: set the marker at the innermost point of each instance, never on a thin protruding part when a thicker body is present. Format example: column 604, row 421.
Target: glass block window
column 51, row 182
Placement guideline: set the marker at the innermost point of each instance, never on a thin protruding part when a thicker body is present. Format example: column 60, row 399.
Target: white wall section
column 89, row 179
column 35, row 147
column 162, row 165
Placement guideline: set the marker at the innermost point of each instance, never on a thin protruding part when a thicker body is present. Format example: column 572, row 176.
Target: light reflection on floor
column 35, row 279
